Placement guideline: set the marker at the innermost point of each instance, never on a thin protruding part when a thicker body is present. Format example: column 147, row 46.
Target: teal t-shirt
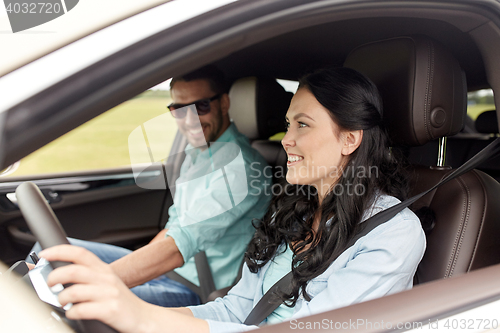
column 218, row 193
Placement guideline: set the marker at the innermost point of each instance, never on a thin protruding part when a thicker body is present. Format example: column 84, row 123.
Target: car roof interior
column 292, row 54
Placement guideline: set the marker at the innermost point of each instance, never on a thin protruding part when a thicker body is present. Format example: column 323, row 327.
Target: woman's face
column 316, row 146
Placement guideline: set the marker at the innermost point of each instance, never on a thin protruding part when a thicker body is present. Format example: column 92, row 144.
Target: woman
column 340, row 172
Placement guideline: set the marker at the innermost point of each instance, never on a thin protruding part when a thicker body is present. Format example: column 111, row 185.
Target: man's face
column 199, row 130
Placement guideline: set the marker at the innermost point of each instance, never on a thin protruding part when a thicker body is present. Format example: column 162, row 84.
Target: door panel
column 107, row 207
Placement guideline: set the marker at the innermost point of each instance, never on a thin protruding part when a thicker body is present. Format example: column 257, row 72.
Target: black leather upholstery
column 466, row 228
column 264, row 103
column 258, row 106
column 487, row 122
column 275, row 156
column 422, row 87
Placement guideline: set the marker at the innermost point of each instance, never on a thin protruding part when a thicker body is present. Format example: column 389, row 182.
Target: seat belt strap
column 182, row 280
column 205, row 278
column 207, row 285
column 270, row 302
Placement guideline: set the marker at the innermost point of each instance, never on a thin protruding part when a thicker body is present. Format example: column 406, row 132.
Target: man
column 212, row 211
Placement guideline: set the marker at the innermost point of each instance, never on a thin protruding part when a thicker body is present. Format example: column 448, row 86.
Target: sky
column 163, row 86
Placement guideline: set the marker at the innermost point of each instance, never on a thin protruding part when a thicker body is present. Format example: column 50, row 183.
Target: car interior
column 459, row 239
column 423, row 57
column 423, row 89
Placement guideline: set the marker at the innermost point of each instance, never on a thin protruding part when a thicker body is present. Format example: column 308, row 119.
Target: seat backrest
column 487, row 122
column 487, row 125
column 258, row 108
column 424, row 94
column 275, row 156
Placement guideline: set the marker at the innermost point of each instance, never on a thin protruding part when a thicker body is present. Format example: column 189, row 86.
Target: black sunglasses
column 202, row 107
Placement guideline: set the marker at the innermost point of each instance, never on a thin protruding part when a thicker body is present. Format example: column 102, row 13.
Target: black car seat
column 258, row 108
column 487, row 122
column 486, row 125
column 465, row 144
column 424, row 94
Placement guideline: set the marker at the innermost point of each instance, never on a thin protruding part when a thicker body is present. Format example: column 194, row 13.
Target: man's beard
column 216, row 128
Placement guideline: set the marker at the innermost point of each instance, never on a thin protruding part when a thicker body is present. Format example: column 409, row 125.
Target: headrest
column 422, row 85
column 487, row 122
column 258, row 106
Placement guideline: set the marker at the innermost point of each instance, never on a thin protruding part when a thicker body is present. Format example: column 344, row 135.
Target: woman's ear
column 352, row 140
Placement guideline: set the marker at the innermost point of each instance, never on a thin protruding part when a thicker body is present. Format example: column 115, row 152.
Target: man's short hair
column 211, row 73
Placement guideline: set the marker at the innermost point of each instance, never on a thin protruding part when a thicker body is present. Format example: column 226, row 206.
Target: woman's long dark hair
column 354, row 104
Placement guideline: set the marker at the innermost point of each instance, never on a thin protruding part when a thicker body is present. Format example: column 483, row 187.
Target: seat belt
column 205, row 278
column 270, row 302
column 207, row 285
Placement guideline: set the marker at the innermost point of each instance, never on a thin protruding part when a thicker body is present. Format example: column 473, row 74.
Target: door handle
column 51, row 196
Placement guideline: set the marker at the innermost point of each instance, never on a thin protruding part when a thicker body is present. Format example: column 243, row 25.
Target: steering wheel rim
column 47, row 229
column 40, row 218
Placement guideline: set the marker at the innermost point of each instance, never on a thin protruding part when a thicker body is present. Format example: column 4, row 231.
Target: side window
column 479, row 101
column 101, row 143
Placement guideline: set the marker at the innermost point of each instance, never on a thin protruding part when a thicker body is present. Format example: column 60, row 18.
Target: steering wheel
column 47, row 229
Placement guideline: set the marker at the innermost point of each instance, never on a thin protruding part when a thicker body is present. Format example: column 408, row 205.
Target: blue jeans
column 160, row 291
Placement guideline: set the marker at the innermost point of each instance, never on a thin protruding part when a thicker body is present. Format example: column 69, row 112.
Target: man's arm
column 160, row 256
column 159, row 236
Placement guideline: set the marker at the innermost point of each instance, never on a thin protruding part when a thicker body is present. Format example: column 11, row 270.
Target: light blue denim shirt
column 219, row 191
column 381, row 263
column 281, row 265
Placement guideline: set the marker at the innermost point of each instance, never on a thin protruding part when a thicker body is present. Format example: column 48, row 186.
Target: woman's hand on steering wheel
column 96, row 293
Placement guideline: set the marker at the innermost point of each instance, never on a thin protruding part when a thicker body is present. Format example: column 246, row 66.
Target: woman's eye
column 300, row 124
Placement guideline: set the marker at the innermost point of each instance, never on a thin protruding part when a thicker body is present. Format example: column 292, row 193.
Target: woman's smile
column 294, row 159
column 311, row 129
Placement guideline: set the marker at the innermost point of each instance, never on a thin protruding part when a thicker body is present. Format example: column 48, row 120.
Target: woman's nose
column 288, row 140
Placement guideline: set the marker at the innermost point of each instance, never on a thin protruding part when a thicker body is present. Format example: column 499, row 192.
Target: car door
column 104, row 203
column 87, row 178
column 94, row 199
